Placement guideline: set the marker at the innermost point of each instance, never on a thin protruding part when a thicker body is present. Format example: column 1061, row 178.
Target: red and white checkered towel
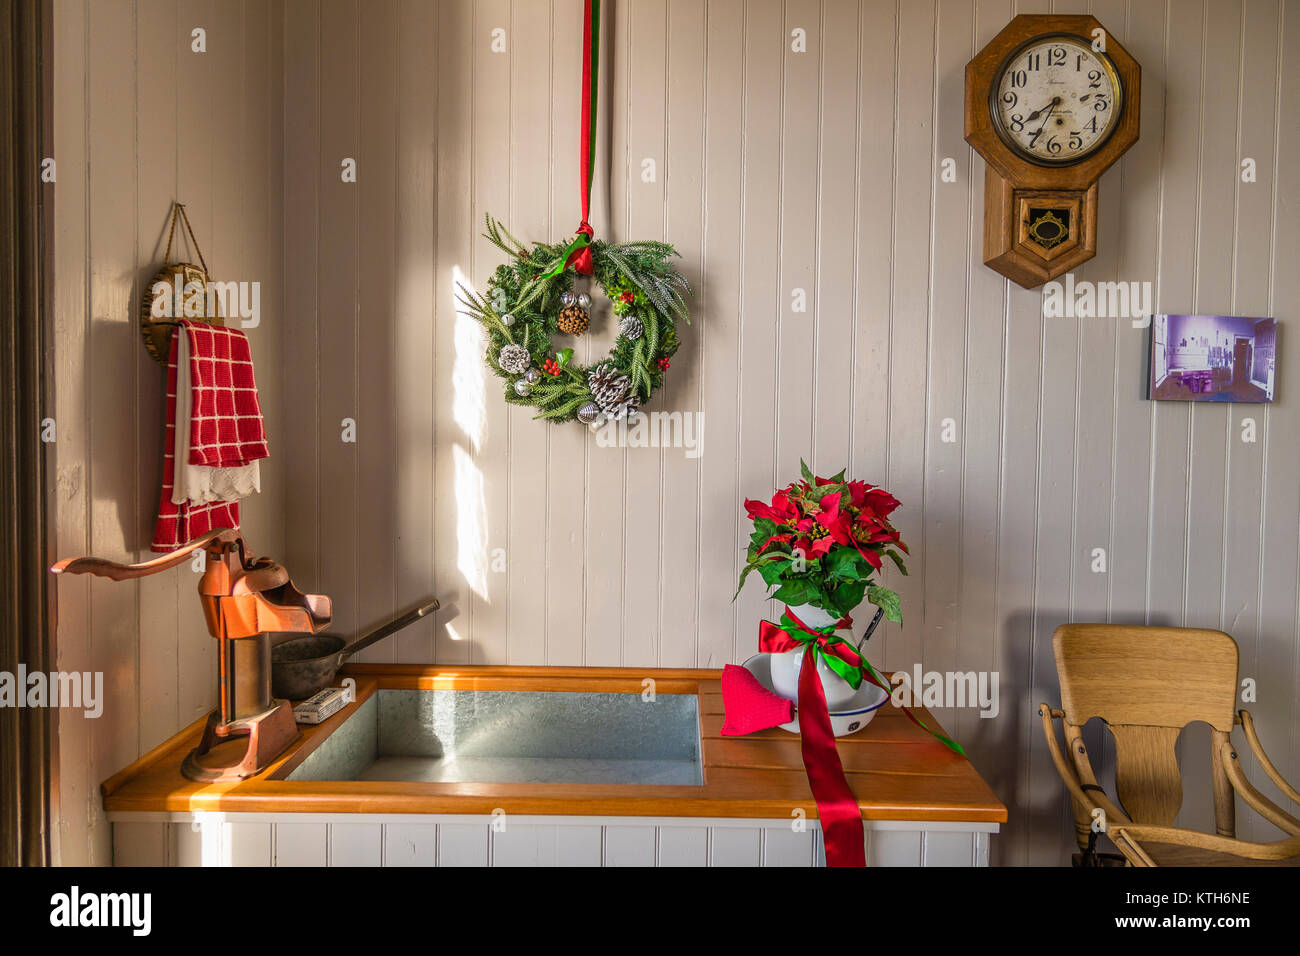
column 226, row 426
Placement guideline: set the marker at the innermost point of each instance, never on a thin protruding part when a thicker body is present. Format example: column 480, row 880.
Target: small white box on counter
column 320, row 706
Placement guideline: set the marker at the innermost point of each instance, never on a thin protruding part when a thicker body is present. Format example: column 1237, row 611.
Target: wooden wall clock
column 1051, row 103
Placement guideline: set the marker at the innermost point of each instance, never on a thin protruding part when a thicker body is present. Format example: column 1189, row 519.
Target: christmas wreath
column 531, row 298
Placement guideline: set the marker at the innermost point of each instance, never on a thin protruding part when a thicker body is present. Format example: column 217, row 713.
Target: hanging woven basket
column 177, row 291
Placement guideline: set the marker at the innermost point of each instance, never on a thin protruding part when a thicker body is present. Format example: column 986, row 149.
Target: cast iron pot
column 306, row 665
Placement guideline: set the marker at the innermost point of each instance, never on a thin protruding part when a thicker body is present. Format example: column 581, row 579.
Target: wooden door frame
column 26, row 622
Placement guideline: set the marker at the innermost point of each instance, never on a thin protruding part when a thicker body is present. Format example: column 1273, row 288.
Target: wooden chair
column 1147, row 684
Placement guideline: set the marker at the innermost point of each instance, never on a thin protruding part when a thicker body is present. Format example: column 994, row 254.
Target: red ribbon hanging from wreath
column 578, row 253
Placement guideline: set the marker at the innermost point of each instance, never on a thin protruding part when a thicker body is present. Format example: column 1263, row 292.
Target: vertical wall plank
column 940, row 613
column 355, row 844
column 410, row 844
column 683, row 846
column 764, row 302
column 377, row 399
column 301, row 844
column 114, row 341
column 161, row 595
column 1276, row 657
column 459, row 410
column 645, row 54
column 415, row 193
column 717, row 303
column 684, row 179
column 567, row 446
column 483, row 480
column 304, row 177
column 735, row 846
column 786, row 847
column 338, row 307
column 528, row 477
column 72, row 842
column 629, row 846
column 463, row 844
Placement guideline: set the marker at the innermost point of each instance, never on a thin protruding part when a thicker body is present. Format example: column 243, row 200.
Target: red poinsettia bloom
column 781, row 510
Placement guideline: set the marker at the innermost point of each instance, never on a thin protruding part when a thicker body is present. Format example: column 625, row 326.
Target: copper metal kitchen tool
column 249, row 605
column 306, row 664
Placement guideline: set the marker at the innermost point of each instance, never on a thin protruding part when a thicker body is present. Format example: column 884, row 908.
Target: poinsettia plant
column 819, row 541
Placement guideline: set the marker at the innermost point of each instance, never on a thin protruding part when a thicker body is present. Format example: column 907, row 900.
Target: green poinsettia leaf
column 886, row 600
column 795, row 591
column 772, row 571
column 848, row 596
column 808, row 476
column 897, row 559
column 841, row 564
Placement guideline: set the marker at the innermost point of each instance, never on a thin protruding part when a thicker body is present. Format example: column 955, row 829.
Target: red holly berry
column 626, row 297
column 663, row 364
column 551, row 367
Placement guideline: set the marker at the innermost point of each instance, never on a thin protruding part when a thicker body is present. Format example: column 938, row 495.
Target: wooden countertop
column 897, row 770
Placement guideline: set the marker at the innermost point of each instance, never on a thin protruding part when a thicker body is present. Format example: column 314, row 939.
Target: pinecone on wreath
column 608, row 387
column 573, row 320
column 514, row 359
column 631, row 327
column 624, row 407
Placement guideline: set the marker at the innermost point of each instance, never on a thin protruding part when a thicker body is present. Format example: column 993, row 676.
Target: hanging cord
column 179, row 208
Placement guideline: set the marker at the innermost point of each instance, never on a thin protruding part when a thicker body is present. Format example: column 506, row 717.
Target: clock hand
column 1051, row 107
column 1039, row 112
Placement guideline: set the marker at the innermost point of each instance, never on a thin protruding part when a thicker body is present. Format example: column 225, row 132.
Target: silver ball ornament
column 532, row 376
column 522, row 388
column 567, row 299
column 584, row 300
column 507, row 319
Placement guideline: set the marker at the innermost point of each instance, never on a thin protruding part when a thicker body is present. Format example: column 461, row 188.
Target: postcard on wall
column 1213, row 358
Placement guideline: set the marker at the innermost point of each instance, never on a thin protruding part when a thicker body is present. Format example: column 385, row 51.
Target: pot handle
column 410, row 617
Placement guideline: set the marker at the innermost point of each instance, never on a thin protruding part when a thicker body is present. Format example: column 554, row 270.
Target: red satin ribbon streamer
column 837, row 807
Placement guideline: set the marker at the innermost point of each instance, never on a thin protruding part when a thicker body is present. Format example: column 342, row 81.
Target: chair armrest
column 1261, row 804
column 1248, row 725
column 1088, row 799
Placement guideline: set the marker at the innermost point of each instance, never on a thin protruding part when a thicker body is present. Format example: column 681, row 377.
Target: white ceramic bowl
column 848, row 719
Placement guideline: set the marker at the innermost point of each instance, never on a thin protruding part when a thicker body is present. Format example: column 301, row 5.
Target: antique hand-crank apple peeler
column 249, row 604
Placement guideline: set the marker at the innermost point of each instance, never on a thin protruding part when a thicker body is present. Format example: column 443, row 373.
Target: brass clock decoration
column 1051, row 102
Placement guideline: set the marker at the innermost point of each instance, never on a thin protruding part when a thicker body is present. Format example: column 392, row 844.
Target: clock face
column 1057, row 100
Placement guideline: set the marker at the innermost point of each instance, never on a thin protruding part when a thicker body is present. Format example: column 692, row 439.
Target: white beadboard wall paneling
column 125, row 74
column 774, row 170
column 820, row 170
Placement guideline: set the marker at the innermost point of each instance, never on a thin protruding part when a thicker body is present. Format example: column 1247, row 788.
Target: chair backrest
column 1147, row 684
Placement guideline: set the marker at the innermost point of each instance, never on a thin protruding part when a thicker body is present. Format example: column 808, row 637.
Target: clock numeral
column 1100, row 104
column 1078, row 62
column 1017, row 123
column 1091, row 125
column 1056, row 56
column 1094, row 79
column 1019, row 78
column 1010, row 99
column 1052, row 146
column 1033, row 60
column 1076, row 139
column 1033, row 137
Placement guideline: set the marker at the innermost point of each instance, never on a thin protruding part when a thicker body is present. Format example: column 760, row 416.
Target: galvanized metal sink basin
column 505, row 736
